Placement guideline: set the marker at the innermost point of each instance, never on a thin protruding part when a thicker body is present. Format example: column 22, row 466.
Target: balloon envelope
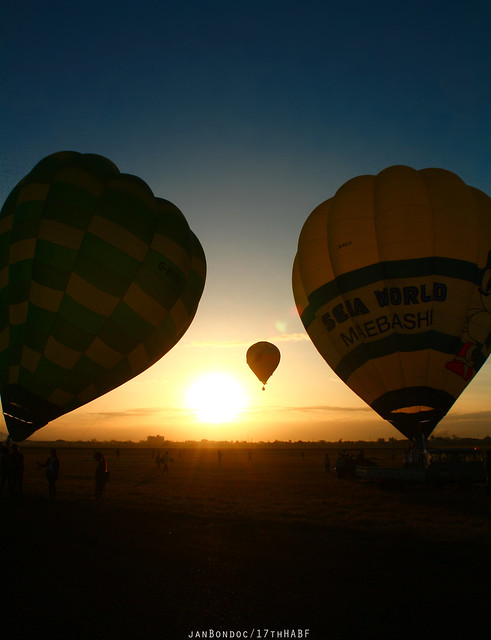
column 392, row 282
column 263, row 358
column 98, row 280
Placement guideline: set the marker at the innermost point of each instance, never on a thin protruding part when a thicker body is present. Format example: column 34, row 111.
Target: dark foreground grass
column 261, row 545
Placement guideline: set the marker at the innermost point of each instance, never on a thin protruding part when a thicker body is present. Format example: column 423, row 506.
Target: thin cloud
column 291, row 337
column 143, row 411
column 330, row 408
column 312, row 409
column 470, row 415
column 219, row 344
column 227, row 344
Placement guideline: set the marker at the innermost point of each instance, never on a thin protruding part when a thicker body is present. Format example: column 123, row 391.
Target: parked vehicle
column 455, row 466
column 462, row 467
column 347, row 463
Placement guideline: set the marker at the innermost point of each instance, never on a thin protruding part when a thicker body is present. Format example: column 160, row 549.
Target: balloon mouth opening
column 414, row 410
column 20, row 422
column 416, row 415
column 420, row 409
column 415, row 421
column 24, row 412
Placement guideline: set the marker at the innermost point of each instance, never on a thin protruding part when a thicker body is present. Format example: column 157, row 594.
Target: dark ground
column 88, row 571
column 268, row 547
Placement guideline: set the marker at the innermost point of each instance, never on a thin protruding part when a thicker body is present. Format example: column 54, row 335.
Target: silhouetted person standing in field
column 488, row 471
column 327, row 463
column 15, row 472
column 4, row 452
column 52, row 465
column 100, row 475
column 165, row 462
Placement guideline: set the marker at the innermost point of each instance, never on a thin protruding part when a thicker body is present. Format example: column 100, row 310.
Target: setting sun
column 216, row 397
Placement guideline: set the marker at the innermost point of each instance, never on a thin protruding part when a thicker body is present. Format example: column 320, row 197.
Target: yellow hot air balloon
column 98, row 280
column 392, row 282
column 263, row 358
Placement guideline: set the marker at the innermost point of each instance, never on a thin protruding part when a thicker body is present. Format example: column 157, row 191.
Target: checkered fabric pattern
column 98, row 280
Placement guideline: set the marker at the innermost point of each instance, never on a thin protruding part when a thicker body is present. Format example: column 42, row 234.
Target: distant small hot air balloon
column 263, row 358
column 98, row 280
column 392, row 281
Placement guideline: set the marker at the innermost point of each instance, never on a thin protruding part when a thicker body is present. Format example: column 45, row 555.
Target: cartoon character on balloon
column 477, row 332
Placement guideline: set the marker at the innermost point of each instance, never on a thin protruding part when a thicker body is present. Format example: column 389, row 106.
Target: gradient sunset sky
column 247, row 115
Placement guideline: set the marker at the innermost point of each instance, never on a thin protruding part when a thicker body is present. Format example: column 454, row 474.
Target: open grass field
column 263, row 546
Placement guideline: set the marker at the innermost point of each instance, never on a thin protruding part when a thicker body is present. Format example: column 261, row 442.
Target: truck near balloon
column 462, row 467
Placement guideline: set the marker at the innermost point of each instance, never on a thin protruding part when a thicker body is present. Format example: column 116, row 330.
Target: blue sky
column 247, row 115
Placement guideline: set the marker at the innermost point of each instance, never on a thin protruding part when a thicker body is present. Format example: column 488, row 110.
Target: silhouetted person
column 488, row 471
column 52, row 465
column 15, row 472
column 100, row 475
column 327, row 463
column 4, row 452
column 408, row 458
column 165, row 462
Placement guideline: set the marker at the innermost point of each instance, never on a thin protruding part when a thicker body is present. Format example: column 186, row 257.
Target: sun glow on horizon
column 216, row 398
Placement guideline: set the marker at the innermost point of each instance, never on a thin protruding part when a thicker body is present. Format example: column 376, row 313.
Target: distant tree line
column 159, row 441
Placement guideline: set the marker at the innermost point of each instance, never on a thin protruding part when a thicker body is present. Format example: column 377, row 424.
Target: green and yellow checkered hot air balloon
column 392, row 281
column 98, row 280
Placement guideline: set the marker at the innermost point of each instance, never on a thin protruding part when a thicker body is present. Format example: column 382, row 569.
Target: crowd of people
column 12, row 468
column 12, row 471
